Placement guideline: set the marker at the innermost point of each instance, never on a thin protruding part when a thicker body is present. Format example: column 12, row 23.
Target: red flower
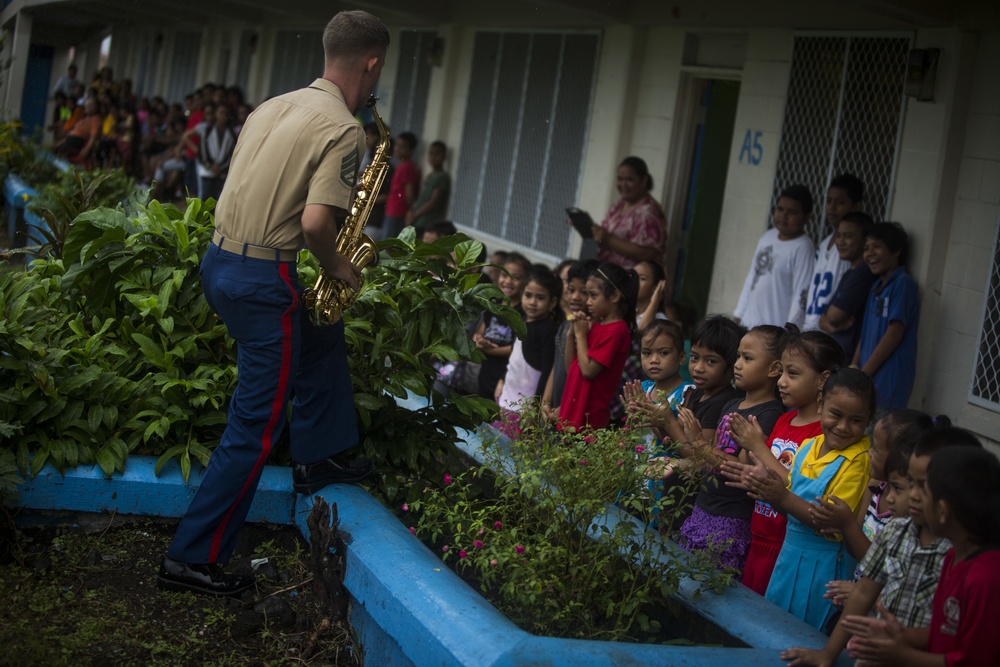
column 620, row 463
column 477, row 544
column 406, row 508
column 445, row 548
column 640, row 449
column 447, row 479
column 462, row 553
column 497, row 525
column 583, row 462
column 413, row 531
column 519, row 550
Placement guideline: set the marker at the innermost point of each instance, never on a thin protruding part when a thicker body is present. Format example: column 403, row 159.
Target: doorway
column 37, row 77
column 704, row 157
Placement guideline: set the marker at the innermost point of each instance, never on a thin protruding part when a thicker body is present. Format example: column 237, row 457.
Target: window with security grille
column 413, row 77
column 522, row 142
column 843, row 115
column 986, row 382
column 298, row 60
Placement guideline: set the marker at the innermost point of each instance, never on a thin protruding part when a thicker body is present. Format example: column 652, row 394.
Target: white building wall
column 656, row 104
column 974, row 214
column 745, row 211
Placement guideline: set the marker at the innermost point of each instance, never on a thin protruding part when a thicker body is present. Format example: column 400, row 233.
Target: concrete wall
column 965, row 254
column 746, row 209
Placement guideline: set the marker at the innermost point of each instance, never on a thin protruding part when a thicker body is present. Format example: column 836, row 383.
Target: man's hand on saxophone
column 319, row 226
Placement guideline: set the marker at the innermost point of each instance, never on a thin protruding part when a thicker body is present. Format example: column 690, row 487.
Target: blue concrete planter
column 407, row 606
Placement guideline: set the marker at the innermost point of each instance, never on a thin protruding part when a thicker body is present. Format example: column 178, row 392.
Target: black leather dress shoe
column 206, row 579
column 310, row 478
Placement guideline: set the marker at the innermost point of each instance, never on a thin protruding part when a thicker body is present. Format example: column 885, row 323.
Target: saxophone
column 330, row 297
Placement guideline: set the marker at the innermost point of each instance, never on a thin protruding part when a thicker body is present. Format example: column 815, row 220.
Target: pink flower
column 445, row 548
column 447, row 479
column 406, row 508
column 519, row 550
column 413, row 531
column 640, row 449
column 620, row 463
column 583, row 462
column 481, row 531
column 588, row 440
column 477, row 544
column 493, row 562
column 462, row 553
column 497, row 525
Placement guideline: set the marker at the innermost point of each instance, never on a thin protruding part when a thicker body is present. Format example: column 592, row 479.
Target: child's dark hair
column 968, row 479
column 851, row 184
column 772, row 337
column 562, row 266
column 518, row 258
column 801, row 194
column 903, row 429
column 582, row 269
column 638, row 165
column 443, row 228
column 682, row 314
column 614, row 278
column 861, row 219
column 672, row 330
column 409, row 138
column 893, row 236
column 550, row 282
column 854, row 381
column 721, row 335
column 439, row 144
column 819, row 349
column 657, row 269
column 936, row 439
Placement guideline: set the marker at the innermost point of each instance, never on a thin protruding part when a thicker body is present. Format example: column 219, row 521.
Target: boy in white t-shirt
column 776, row 285
column 845, row 195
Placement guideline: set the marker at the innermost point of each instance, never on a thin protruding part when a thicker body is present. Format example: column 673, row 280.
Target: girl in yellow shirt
column 835, row 463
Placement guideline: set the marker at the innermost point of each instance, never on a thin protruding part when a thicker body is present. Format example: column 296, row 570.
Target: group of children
column 794, row 496
column 855, row 286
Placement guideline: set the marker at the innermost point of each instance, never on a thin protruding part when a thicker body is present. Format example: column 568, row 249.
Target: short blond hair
column 352, row 35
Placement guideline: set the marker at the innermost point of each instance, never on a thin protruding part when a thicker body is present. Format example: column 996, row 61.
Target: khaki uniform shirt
column 300, row 148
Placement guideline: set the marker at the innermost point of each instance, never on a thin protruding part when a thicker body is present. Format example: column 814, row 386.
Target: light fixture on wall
column 921, row 71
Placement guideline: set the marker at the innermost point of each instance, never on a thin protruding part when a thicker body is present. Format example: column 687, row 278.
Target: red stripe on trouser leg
column 277, row 412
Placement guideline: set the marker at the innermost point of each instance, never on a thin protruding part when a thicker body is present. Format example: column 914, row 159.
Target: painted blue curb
column 139, row 491
column 407, row 606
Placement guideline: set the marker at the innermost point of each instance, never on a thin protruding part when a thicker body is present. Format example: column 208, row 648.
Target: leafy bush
column 112, row 349
column 60, row 202
column 522, row 525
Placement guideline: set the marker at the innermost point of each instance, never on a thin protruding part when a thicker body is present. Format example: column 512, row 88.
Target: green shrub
column 522, row 525
column 112, row 349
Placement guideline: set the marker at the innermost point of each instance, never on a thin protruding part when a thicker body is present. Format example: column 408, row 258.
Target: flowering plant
column 528, row 522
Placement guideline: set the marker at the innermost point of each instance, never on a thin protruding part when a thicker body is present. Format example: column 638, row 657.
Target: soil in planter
column 82, row 591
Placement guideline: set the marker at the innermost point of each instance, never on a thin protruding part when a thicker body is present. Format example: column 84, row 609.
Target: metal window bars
column 523, row 136
column 844, row 112
column 985, row 389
